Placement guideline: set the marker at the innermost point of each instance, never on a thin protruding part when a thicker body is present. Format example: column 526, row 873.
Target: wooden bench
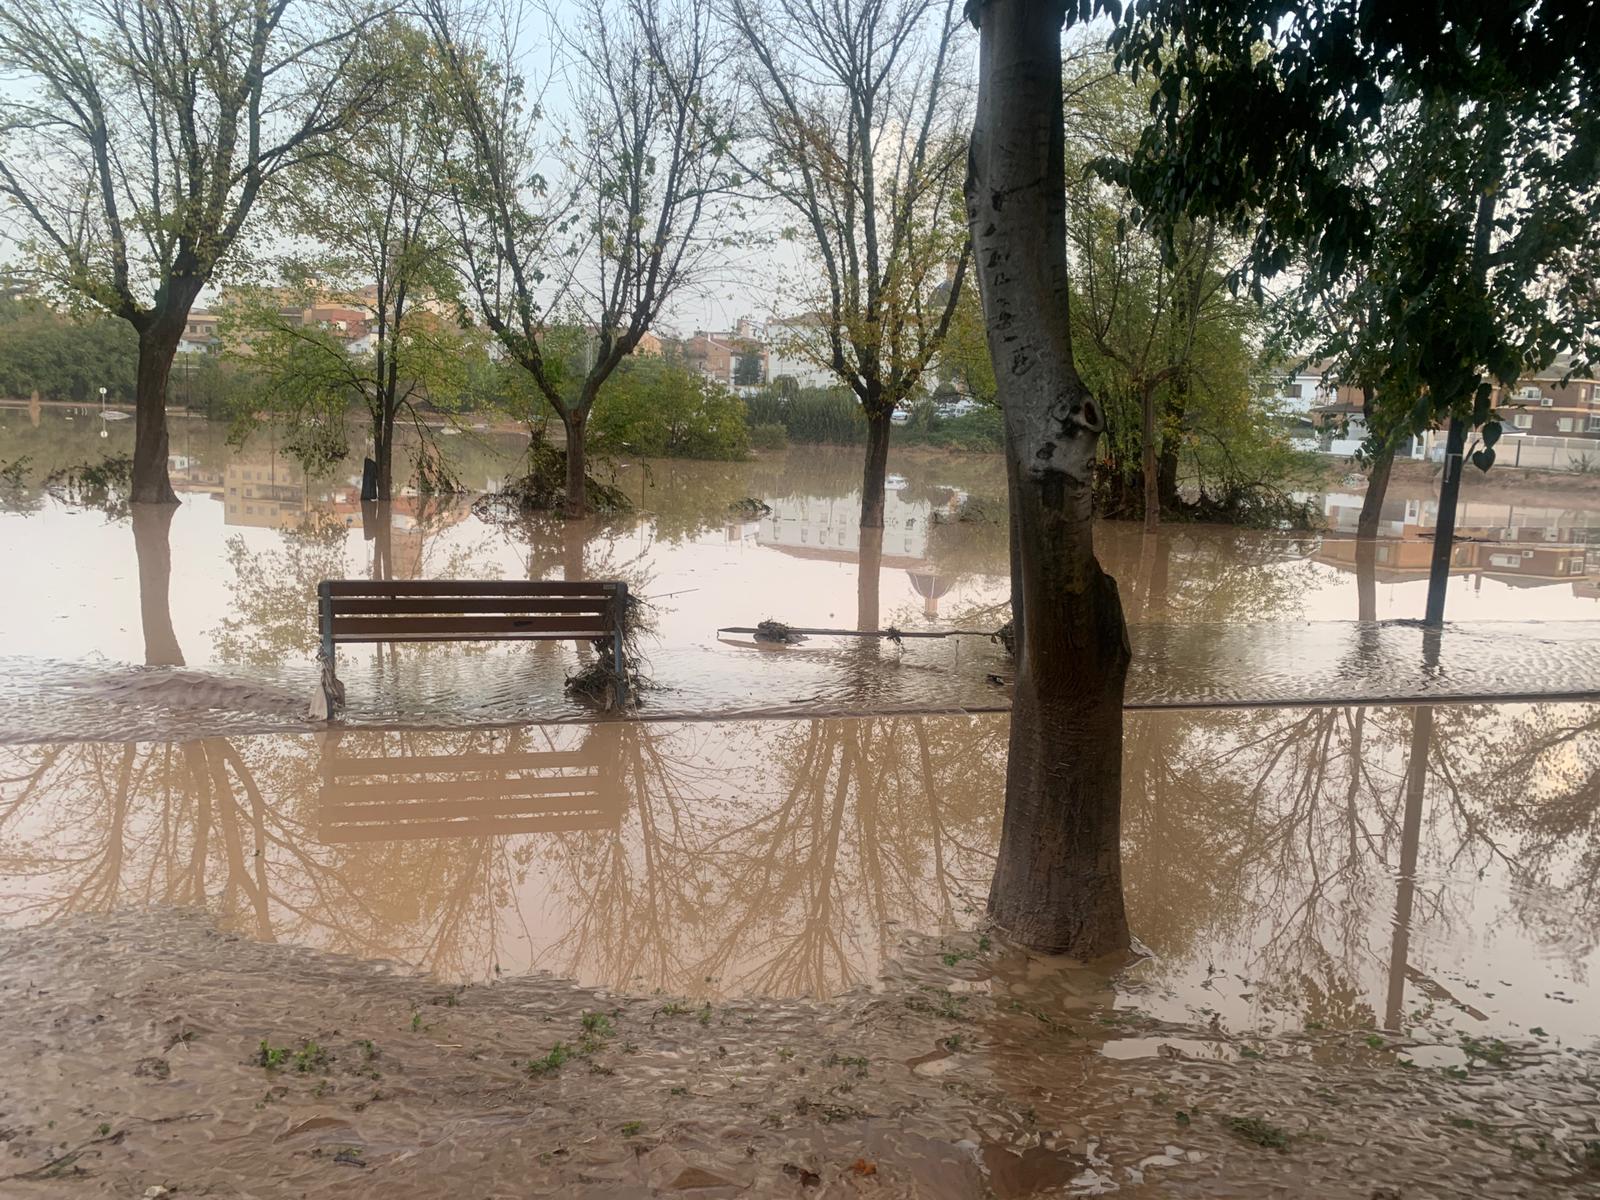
column 468, row 610
column 374, row 791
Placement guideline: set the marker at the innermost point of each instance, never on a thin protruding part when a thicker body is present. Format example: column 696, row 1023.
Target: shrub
column 769, row 435
column 815, row 416
column 661, row 408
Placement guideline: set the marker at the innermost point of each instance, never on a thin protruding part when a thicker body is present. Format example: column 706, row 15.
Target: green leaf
column 1491, row 434
column 1483, row 459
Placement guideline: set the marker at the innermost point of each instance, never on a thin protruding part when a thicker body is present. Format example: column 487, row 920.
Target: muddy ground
column 151, row 1051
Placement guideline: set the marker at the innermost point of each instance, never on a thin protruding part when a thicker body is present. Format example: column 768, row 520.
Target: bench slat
column 467, row 587
column 426, row 764
column 377, row 796
column 505, row 806
column 444, row 628
column 379, row 605
column 332, row 834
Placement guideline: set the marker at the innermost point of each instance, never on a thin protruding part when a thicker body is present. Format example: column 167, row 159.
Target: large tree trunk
column 575, row 421
column 1058, row 881
column 152, row 526
column 1405, row 892
column 869, row 574
column 875, row 473
column 1167, row 475
column 383, row 452
column 1444, row 533
column 1377, row 489
column 1367, row 534
column 1147, row 467
column 158, row 343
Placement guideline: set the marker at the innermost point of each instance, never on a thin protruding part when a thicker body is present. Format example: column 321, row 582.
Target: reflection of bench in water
column 389, row 797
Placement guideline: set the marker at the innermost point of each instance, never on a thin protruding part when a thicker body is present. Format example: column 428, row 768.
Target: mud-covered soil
column 151, row 1051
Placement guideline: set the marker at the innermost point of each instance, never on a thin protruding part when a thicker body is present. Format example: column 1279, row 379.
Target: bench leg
column 619, row 665
column 332, row 689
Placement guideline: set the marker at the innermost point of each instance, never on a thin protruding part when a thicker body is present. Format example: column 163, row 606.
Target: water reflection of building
column 1521, row 545
column 828, row 527
column 268, row 492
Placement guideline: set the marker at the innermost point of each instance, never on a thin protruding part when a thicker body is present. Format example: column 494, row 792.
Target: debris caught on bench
column 596, row 683
column 749, row 507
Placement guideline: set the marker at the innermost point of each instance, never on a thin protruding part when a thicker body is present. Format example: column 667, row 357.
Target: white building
column 796, row 347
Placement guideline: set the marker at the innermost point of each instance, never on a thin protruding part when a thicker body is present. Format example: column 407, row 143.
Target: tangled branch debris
column 1006, row 635
column 596, row 682
column 544, row 489
column 777, row 633
column 750, row 507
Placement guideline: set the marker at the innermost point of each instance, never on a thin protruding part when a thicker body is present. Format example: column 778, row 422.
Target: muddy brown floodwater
column 202, row 620
column 1351, row 972
column 473, row 942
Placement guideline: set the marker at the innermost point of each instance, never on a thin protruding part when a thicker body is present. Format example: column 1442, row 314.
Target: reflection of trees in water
column 1207, row 573
column 1540, row 779
column 1286, row 831
column 780, row 856
column 791, row 889
column 273, row 611
column 771, row 857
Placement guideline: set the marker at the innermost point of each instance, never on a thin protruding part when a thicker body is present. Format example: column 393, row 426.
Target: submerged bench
column 468, row 610
column 374, row 789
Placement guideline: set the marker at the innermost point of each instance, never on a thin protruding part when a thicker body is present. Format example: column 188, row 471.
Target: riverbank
column 153, row 1052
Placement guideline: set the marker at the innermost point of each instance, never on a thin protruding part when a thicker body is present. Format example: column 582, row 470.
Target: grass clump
column 597, row 1028
column 558, row 1056
column 1262, row 1133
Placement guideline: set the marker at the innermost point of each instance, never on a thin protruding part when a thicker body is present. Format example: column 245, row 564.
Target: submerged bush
column 769, row 435
column 811, row 416
column 543, row 488
column 663, row 409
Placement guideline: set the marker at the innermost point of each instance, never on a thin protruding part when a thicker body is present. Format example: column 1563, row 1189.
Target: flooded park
column 476, row 936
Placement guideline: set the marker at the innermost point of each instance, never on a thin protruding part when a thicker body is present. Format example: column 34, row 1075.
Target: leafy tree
column 859, row 110
column 64, row 358
column 1478, row 249
column 375, row 218
column 748, row 370
column 137, row 141
column 664, row 409
column 1058, row 879
column 628, row 225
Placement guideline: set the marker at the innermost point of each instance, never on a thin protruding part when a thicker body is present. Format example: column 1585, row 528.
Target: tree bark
column 383, row 454
column 1148, row 466
column 1405, row 893
column 1367, row 534
column 1444, row 534
column 1058, row 880
column 158, row 343
column 575, row 422
column 1167, row 474
column 152, row 526
column 869, row 573
column 1377, row 489
column 875, row 473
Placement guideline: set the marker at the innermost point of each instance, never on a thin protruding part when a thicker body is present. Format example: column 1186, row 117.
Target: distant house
column 797, row 347
column 1543, row 406
column 715, row 354
column 1298, row 391
column 200, row 333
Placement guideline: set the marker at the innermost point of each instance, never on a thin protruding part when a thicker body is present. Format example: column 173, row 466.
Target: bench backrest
column 450, row 610
column 400, row 797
